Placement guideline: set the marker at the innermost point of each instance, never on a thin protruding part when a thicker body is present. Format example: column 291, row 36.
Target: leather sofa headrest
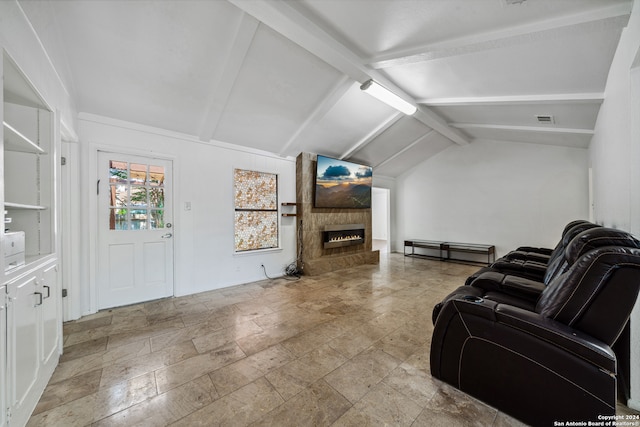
column 558, row 260
column 598, row 237
column 575, row 230
column 573, row 224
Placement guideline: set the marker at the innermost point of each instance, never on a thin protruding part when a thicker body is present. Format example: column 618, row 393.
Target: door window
column 136, row 196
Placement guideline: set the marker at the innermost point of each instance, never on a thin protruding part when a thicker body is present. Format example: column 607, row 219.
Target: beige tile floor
column 349, row 348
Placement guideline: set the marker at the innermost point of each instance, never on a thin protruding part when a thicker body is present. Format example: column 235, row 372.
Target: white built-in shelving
column 30, row 297
column 28, row 167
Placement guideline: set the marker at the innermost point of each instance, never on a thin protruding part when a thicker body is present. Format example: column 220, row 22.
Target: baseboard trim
column 634, row 404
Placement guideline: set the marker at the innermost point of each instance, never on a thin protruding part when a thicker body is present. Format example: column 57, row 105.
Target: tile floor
column 349, row 348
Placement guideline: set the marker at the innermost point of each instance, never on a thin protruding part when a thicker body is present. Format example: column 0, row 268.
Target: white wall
column 615, row 158
column 203, row 175
column 379, row 213
column 506, row 194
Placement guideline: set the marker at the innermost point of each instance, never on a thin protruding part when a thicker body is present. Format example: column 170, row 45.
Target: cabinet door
column 23, row 345
column 50, row 314
column 3, row 357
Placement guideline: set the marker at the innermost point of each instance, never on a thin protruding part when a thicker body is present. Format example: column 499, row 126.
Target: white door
column 135, row 249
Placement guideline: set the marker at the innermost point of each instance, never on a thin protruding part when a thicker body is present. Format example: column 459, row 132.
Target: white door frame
column 90, row 225
column 70, row 235
column 634, row 223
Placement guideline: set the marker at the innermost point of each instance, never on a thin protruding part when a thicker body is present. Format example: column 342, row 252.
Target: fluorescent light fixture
column 388, row 97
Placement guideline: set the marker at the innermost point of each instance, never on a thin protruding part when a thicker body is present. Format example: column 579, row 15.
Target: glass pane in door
column 156, row 219
column 156, row 197
column 118, row 196
column 138, row 173
column 156, row 175
column 138, row 219
column 138, row 196
column 118, row 171
column 118, row 219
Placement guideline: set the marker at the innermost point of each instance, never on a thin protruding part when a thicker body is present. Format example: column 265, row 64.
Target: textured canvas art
column 256, row 210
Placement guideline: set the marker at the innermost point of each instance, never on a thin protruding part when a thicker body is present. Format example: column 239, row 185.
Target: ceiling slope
column 284, row 76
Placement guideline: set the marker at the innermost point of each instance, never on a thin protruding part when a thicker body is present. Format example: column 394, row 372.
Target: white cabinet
column 33, row 338
column 51, row 337
column 3, row 356
column 23, row 358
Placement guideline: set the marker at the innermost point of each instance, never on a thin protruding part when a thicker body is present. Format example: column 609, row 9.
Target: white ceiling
column 284, row 76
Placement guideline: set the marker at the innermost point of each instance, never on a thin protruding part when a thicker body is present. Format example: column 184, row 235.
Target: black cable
column 283, row 277
column 265, row 272
column 291, row 270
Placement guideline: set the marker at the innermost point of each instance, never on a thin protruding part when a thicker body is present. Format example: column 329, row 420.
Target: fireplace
column 335, row 236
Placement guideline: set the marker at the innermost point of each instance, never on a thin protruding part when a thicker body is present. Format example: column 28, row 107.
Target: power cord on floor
column 288, row 274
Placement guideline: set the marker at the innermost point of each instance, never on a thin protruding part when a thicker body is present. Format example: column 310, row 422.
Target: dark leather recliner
column 537, row 254
column 580, row 243
column 551, row 363
column 523, row 292
column 533, row 268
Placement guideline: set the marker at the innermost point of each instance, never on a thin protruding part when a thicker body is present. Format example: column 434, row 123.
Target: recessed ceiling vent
column 545, row 119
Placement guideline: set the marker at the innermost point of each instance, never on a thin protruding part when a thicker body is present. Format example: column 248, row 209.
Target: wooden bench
column 447, row 250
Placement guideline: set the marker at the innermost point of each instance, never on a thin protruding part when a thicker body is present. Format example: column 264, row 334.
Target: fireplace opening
column 335, row 236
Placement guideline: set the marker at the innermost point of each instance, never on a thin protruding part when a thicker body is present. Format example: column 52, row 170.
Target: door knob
column 167, row 236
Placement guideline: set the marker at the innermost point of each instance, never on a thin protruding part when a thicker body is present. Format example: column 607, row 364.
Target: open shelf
column 18, row 89
column 16, row 141
column 290, row 204
column 8, row 205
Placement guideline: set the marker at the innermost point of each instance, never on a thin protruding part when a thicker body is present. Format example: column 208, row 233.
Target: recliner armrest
column 543, row 328
column 539, row 328
column 522, row 285
column 524, row 268
column 489, row 281
column 544, row 251
column 512, row 285
column 530, row 256
column 563, row 336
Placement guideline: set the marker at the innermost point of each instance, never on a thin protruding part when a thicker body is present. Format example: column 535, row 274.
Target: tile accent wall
column 311, row 222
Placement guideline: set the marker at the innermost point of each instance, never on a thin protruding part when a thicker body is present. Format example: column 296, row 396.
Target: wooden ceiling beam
column 578, row 98
column 390, row 121
column 219, row 95
column 612, row 17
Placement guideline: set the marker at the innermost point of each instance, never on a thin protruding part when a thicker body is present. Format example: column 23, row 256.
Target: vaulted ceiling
column 284, row 76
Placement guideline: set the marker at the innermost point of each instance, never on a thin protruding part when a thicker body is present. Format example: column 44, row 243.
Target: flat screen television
column 342, row 184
